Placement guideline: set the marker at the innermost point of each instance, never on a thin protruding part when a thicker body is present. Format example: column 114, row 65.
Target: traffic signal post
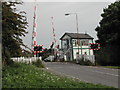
column 94, row 47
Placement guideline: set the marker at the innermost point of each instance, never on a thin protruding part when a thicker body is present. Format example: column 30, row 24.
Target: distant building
column 69, row 46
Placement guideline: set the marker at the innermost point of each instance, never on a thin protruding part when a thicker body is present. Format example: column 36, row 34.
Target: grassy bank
column 30, row 76
column 114, row 67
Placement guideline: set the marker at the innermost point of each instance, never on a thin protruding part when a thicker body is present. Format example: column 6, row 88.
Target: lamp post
column 77, row 28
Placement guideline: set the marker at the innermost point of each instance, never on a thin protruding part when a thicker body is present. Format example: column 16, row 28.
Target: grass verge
column 114, row 67
column 29, row 76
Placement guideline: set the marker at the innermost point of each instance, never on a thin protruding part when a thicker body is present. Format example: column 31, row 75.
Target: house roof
column 77, row 35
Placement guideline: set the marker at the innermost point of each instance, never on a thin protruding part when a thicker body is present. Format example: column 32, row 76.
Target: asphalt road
column 91, row 74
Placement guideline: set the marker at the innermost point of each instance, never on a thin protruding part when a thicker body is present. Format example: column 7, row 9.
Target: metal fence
column 91, row 58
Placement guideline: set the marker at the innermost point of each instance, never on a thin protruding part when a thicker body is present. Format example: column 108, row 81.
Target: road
column 91, row 74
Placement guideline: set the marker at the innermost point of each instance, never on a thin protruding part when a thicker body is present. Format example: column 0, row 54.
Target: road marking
column 70, row 76
column 90, row 70
column 96, row 71
column 47, row 68
column 102, row 68
column 103, row 73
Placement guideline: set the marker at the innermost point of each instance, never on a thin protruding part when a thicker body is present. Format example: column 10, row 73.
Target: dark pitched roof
column 78, row 35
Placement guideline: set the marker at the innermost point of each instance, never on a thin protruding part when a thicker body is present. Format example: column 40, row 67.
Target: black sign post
column 95, row 46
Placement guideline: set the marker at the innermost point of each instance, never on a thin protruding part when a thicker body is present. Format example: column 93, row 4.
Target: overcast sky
column 89, row 16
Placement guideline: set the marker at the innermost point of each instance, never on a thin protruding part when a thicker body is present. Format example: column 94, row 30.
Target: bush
column 38, row 63
column 86, row 62
column 81, row 62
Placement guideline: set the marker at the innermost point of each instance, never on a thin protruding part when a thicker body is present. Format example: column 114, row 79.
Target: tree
column 108, row 33
column 13, row 27
column 109, row 30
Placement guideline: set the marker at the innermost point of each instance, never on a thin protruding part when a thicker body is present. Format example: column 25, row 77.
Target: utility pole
column 77, row 31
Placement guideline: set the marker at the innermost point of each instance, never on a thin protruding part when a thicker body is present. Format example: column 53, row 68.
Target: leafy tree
column 108, row 33
column 13, row 27
column 26, row 53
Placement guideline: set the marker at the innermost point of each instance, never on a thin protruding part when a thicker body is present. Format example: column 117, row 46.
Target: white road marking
column 47, row 68
column 102, row 67
column 91, row 70
column 96, row 71
column 103, row 73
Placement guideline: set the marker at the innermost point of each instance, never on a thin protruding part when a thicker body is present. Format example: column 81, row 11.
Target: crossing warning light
column 38, row 48
column 95, row 46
